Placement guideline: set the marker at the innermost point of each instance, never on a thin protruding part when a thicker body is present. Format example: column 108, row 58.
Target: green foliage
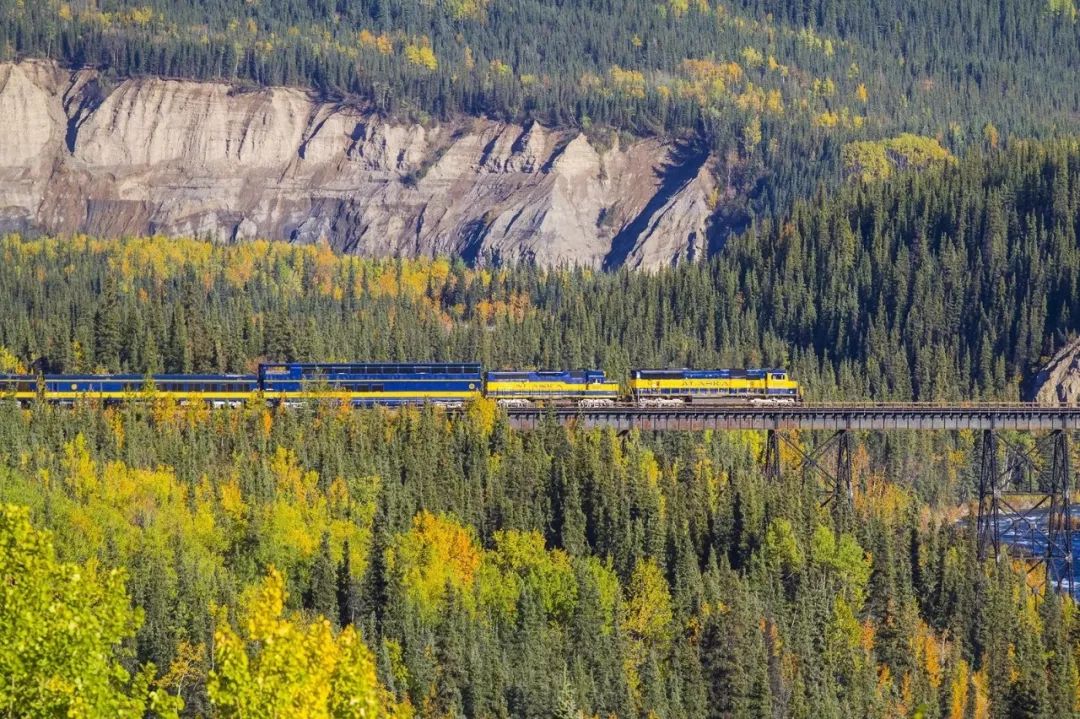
column 782, row 546
column 61, row 631
column 521, row 559
column 473, row 605
column 842, row 556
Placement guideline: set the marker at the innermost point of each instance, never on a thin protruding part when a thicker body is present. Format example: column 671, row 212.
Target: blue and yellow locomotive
column 585, row 388
column 673, row 387
column 441, row 384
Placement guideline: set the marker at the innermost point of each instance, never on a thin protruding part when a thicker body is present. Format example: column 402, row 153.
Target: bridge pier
column 996, row 511
column 1059, row 522
column 772, row 455
column 841, row 490
column 988, row 520
column 838, row 491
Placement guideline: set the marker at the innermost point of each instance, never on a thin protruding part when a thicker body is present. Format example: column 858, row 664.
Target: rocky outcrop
column 186, row 158
column 1059, row 381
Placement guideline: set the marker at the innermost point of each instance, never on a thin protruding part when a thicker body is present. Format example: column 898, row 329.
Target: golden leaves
column 420, row 54
column 436, row 553
column 630, row 83
column 280, row 666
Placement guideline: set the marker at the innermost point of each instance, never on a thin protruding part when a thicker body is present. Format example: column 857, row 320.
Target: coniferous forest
column 912, row 180
column 163, row 560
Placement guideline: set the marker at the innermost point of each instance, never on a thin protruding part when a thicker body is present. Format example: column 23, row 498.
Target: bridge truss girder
column 836, row 479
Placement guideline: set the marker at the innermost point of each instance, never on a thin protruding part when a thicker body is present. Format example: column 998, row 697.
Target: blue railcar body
column 584, row 376
column 375, row 383
column 129, row 383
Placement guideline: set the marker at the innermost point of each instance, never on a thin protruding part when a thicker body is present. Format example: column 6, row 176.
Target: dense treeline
column 951, row 283
column 777, row 86
column 495, row 573
column 529, row 57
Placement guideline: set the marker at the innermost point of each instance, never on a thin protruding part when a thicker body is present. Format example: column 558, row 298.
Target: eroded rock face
column 1059, row 381
column 173, row 157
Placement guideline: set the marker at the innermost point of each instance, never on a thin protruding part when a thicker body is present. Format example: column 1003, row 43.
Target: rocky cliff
column 1059, row 381
column 177, row 157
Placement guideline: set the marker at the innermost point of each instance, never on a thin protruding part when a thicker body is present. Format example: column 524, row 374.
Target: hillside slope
column 177, row 157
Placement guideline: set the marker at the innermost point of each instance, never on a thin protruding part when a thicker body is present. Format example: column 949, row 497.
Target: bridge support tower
column 1038, row 515
column 836, row 491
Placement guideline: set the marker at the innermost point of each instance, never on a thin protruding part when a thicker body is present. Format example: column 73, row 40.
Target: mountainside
column 1059, row 381
column 373, row 145
column 178, row 157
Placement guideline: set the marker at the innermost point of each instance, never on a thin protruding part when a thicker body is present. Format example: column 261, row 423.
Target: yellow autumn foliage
column 435, row 554
column 272, row 665
column 876, row 159
column 419, row 53
column 627, row 82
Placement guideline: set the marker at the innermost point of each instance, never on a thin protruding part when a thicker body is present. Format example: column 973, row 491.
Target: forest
column 405, row 563
column 953, row 282
column 163, row 560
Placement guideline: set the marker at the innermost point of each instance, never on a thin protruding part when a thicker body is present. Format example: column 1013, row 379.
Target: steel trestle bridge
column 833, row 416
column 1025, row 489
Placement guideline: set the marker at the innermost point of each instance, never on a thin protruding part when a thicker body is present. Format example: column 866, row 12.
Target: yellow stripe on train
column 518, row 387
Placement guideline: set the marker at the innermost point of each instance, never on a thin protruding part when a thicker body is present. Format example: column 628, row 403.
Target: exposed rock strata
column 175, row 157
column 1059, row 381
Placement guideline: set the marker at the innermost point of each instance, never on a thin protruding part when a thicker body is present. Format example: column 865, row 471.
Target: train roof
column 375, row 367
column 513, row 374
column 134, row 377
column 722, row 372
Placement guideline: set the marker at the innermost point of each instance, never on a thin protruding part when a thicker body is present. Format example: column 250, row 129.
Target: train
column 446, row 384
